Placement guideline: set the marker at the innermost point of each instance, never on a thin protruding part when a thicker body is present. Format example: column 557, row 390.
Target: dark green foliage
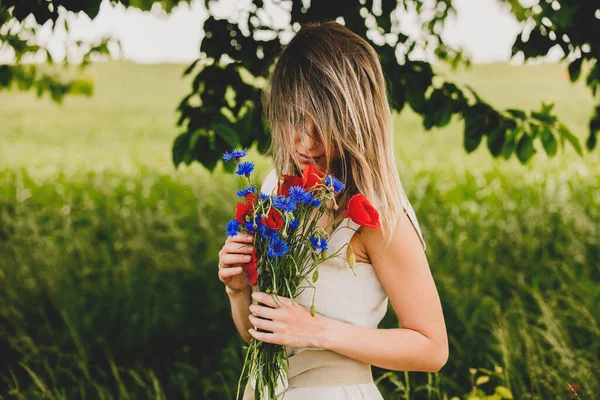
column 409, row 81
column 573, row 26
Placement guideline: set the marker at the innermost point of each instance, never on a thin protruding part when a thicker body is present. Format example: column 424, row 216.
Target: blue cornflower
column 315, row 203
column 265, row 231
column 235, row 154
column 284, row 203
column 337, row 184
column 247, row 190
column 277, row 247
column 263, row 196
column 318, row 243
column 245, row 168
column 250, row 225
column 298, row 194
column 308, row 197
column 232, row 228
column 294, row 223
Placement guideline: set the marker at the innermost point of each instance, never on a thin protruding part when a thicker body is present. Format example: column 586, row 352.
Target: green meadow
column 108, row 254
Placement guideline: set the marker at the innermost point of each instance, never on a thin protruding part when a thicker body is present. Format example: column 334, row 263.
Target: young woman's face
column 311, row 151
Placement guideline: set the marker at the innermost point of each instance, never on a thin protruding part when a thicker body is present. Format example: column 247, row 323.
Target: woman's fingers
column 228, row 272
column 271, row 301
column 237, row 247
column 228, row 259
column 266, row 312
column 243, row 238
column 264, row 324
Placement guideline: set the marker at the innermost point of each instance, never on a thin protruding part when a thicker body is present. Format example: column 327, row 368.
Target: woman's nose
column 307, row 143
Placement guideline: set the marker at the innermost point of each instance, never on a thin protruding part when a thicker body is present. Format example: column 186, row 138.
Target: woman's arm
column 240, row 303
column 402, row 268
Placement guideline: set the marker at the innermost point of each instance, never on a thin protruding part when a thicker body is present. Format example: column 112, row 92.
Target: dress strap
column 412, row 216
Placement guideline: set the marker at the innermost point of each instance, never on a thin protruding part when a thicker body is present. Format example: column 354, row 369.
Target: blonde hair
column 330, row 76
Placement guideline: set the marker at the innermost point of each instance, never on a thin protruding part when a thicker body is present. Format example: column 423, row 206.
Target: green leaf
column 549, row 142
column 575, row 69
column 227, row 133
column 475, row 123
column 565, row 133
column 495, row 140
column 543, row 117
column 504, row 392
column 525, row 148
column 180, row 148
column 517, row 113
column 594, row 129
column 206, row 154
column 191, row 67
column 510, row 143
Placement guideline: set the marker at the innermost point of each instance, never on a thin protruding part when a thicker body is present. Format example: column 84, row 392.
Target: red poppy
column 310, row 177
column 245, row 209
column 288, row 182
column 251, row 268
column 274, row 219
column 362, row 212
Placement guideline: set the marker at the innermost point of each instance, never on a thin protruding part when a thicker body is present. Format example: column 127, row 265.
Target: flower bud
column 315, row 276
column 313, row 310
column 351, row 258
column 323, row 254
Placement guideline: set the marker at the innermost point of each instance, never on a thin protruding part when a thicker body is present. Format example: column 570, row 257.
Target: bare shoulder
column 405, row 241
column 404, row 273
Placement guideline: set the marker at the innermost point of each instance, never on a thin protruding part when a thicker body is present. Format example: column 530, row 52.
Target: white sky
column 484, row 29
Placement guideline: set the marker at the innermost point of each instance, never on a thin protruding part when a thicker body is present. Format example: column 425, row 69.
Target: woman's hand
column 287, row 324
column 233, row 255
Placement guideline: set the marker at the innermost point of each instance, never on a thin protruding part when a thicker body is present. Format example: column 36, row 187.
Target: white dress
column 359, row 300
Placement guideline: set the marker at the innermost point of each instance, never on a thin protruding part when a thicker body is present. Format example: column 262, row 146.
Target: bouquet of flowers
column 289, row 245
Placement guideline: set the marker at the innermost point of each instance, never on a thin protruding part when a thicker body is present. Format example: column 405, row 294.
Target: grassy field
column 108, row 285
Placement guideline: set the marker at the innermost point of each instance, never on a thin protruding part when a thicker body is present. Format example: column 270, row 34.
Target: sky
column 483, row 28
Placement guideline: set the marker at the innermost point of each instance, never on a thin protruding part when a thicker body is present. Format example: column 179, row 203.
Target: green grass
column 108, row 285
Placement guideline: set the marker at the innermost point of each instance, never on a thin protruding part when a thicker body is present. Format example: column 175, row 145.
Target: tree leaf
column 575, row 69
column 565, row 133
column 495, row 140
column 525, row 148
column 517, row 113
column 509, row 143
column 227, row 133
column 594, row 129
column 549, row 141
column 191, row 67
column 180, row 148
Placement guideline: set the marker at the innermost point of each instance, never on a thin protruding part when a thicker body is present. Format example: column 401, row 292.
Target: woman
column 326, row 105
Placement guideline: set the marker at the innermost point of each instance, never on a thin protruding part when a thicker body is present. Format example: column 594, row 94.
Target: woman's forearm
column 394, row 349
column 240, row 303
